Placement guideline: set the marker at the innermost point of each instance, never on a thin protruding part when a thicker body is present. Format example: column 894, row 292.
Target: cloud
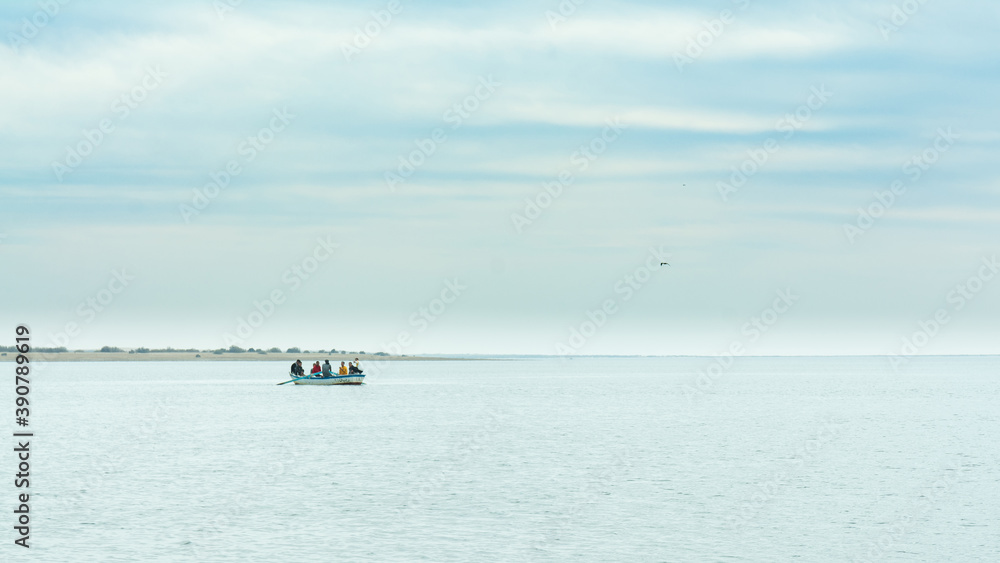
column 355, row 119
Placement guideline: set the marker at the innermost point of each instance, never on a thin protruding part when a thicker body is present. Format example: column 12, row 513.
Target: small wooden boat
column 353, row 379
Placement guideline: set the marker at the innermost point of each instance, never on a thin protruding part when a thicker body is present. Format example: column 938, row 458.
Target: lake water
column 593, row 459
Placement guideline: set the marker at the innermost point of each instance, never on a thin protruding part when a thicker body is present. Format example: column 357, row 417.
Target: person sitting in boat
column 316, row 369
column 327, row 369
column 355, row 367
column 343, row 369
column 297, row 370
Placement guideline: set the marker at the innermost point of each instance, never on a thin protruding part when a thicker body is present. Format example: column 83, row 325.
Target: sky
column 503, row 178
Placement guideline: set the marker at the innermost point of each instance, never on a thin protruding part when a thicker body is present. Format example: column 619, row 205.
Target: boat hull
column 354, row 379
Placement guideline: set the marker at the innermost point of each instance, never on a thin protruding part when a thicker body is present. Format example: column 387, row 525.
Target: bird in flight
column 662, row 263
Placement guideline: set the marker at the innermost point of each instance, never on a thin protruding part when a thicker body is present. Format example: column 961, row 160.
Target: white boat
column 353, row 379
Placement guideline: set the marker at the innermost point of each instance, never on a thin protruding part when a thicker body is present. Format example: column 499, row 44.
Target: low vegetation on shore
column 115, row 353
column 217, row 352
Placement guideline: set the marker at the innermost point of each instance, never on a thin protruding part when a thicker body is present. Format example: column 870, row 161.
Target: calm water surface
column 814, row 459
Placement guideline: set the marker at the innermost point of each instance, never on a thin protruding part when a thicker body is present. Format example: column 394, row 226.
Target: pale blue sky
column 217, row 80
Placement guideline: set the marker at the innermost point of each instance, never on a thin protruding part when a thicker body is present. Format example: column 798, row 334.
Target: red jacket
column 316, row 369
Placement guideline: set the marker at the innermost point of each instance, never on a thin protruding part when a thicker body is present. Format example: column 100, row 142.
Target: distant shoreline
column 307, row 358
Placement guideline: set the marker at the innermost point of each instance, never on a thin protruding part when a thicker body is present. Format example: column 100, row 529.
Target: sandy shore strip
column 307, row 358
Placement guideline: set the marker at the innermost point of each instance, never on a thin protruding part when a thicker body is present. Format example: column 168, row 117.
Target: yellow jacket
column 343, row 370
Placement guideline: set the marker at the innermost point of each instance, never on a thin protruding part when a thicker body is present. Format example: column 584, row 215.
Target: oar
column 296, row 379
